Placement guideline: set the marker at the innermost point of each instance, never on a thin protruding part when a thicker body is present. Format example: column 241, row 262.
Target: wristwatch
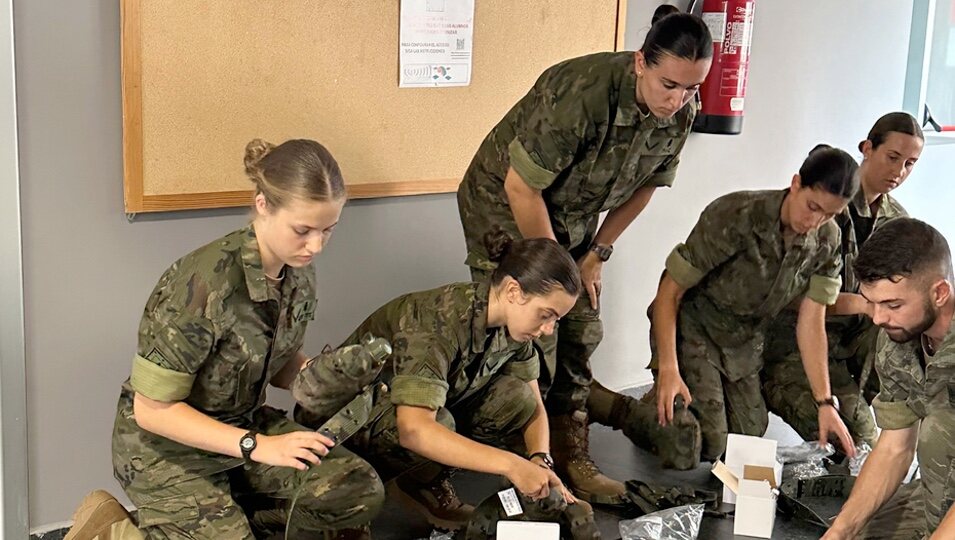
column 603, row 251
column 546, row 461
column 831, row 401
column 247, row 445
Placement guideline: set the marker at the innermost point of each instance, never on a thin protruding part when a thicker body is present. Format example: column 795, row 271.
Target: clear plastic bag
column 809, row 469
column 440, row 535
column 802, row 453
column 679, row 523
column 862, row 452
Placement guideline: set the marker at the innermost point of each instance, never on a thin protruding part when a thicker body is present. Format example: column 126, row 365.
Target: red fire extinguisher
column 724, row 90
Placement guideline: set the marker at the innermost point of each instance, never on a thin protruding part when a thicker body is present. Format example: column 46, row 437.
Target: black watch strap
column 829, row 401
column 247, row 445
column 603, row 251
column 546, row 460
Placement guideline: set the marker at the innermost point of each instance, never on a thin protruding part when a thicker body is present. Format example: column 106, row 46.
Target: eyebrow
column 889, row 301
column 676, row 83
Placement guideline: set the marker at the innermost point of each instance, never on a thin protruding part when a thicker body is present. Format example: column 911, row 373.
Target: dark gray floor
column 618, row 458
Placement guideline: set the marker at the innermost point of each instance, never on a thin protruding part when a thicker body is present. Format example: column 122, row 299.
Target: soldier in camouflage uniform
column 889, row 152
column 595, row 134
column 905, row 270
column 749, row 255
column 463, row 381
column 194, row 447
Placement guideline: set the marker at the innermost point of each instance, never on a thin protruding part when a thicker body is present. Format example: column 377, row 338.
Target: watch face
column 247, row 442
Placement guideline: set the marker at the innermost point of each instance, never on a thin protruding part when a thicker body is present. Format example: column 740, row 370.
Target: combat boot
column 678, row 444
column 97, row 514
column 569, row 441
column 436, row 500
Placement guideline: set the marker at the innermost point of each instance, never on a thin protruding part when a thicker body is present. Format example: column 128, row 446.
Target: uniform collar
column 884, row 207
column 479, row 329
column 945, row 355
column 628, row 111
column 252, row 265
column 770, row 210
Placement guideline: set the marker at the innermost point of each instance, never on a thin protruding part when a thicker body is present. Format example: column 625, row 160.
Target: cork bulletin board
column 201, row 79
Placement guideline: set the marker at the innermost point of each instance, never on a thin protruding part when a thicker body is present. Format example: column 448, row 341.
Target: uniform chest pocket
column 226, row 383
column 290, row 333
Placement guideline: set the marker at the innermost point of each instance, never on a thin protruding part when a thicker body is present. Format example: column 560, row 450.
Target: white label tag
column 512, row 506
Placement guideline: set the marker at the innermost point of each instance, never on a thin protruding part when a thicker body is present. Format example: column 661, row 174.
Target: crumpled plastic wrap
column 809, row 469
column 862, row 452
column 440, row 535
column 678, row 523
column 808, row 451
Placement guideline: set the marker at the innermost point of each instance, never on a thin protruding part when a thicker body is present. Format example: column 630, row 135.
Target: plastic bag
column 678, row 523
column 809, row 469
column 806, row 452
column 440, row 535
column 862, row 452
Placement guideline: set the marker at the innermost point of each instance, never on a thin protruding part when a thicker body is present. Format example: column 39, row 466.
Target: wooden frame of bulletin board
column 201, row 79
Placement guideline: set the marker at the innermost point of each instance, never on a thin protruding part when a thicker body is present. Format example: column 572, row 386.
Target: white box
column 744, row 450
column 755, row 509
column 527, row 530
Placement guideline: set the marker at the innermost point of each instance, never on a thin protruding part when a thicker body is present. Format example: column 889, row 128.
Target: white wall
column 88, row 271
column 808, row 83
column 13, row 478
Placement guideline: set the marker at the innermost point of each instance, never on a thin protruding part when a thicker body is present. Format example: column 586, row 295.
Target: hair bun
column 498, row 243
column 254, row 152
column 662, row 11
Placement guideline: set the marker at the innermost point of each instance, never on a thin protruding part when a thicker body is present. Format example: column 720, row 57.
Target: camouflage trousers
column 253, row 502
column 720, row 404
column 851, row 347
column 495, row 416
column 565, row 383
column 789, row 395
column 917, row 509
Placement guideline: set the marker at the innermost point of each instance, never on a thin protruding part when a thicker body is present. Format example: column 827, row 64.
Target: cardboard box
column 742, row 450
column 755, row 509
column 750, row 482
column 527, row 530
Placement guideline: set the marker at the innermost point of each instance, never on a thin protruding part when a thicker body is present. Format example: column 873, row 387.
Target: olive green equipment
column 678, row 444
column 576, row 520
column 334, row 390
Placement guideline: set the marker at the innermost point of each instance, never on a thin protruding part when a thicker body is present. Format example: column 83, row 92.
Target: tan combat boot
column 95, row 517
column 436, row 500
column 678, row 444
column 569, row 442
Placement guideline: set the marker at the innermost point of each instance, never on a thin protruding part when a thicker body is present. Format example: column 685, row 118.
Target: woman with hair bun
column 889, row 153
column 598, row 133
column 750, row 255
column 463, row 380
column 194, row 446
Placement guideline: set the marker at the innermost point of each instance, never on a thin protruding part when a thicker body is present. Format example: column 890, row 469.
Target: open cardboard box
column 750, row 483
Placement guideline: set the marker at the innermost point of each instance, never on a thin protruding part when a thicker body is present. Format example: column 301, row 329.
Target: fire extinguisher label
column 736, row 104
column 716, row 22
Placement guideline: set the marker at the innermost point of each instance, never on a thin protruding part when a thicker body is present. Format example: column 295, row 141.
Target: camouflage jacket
column 579, row 137
column 855, row 224
column 442, row 350
column 738, row 274
column 912, row 395
column 213, row 335
column 909, row 393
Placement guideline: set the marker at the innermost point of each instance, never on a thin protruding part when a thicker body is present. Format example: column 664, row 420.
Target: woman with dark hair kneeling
column 463, row 380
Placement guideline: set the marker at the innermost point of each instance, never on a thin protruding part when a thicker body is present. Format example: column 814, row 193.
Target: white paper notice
column 435, row 43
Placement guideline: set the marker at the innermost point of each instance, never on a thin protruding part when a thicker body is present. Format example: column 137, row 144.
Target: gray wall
column 88, row 271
